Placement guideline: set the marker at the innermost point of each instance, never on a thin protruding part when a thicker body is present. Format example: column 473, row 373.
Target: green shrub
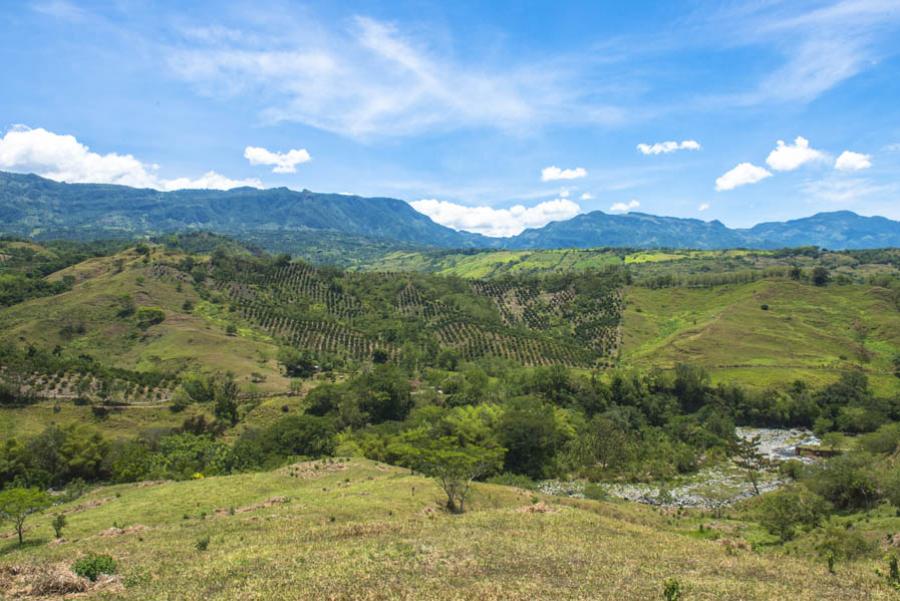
column 148, row 316
column 92, row 565
column 58, row 523
column 672, row 590
column 782, row 512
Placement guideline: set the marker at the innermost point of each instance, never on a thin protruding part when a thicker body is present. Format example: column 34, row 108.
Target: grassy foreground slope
column 806, row 332
column 361, row 530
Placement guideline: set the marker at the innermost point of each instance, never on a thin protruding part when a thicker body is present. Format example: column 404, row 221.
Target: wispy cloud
column 373, row 79
column 820, row 45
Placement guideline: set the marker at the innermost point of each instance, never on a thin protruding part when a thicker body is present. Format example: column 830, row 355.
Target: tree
column 16, row 504
column 749, row 459
column 454, row 466
column 58, row 523
column 820, row 276
column 782, row 512
column 226, row 393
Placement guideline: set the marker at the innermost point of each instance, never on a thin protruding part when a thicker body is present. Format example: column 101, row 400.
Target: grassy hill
column 805, row 332
column 87, row 319
column 338, row 529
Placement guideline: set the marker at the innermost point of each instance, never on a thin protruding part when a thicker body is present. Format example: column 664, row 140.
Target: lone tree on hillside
column 454, row 466
column 16, row 504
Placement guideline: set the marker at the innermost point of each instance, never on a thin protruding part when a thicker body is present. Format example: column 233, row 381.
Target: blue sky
column 488, row 116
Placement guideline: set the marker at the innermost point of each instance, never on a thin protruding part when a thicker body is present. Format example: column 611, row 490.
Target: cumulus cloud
column 787, row 157
column 282, row 162
column 669, row 146
column 587, row 196
column 853, row 161
column 63, row 158
column 703, row 206
column 553, row 173
column 742, row 174
column 624, row 207
column 496, row 222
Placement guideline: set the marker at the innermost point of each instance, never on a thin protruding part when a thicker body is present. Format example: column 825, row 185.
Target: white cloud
column 822, row 44
column 667, row 147
column 853, row 161
column 496, row 222
column 742, row 174
column 587, row 196
column 553, row 173
column 787, row 157
column 208, row 181
column 372, row 79
column 623, row 207
column 838, row 188
column 64, row 158
column 284, row 162
column 703, row 206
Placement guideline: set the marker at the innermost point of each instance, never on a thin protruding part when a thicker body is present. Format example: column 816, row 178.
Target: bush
column 781, row 513
column 148, row 316
column 848, row 481
column 91, row 566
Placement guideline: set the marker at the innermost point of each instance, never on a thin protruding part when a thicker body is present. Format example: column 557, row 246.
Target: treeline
column 537, row 423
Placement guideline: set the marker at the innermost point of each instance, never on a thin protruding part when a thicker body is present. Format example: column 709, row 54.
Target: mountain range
column 36, row 207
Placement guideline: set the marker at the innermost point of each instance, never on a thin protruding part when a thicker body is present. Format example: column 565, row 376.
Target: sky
column 487, row 116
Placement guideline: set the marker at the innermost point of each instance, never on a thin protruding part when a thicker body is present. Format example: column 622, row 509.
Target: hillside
column 38, row 207
column 528, row 307
column 804, row 332
column 314, row 224
column 337, row 529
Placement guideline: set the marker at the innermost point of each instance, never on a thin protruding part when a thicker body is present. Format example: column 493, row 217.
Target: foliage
column 93, row 565
column 452, row 465
column 16, row 504
column 782, row 512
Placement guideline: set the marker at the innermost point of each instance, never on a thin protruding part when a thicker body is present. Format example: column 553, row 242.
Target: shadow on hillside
column 15, row 546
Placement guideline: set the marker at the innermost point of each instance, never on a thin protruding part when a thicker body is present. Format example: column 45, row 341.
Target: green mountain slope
column 33, row 206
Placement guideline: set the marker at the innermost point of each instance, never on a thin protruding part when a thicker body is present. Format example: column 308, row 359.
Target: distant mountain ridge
column 835, row 230
column 37, row 207
column 34, row 206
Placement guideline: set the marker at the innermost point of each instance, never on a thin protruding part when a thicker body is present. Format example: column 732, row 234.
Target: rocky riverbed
column 711, row 487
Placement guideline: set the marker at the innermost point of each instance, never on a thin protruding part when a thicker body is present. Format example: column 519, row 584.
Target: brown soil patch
column 271, row 502
column 123, row 531
column 540, row 507
column 88, row 505
column 313, row 469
